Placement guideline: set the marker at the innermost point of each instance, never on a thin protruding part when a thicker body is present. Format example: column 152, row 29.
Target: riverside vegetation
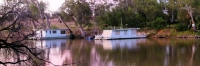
column 158, row 18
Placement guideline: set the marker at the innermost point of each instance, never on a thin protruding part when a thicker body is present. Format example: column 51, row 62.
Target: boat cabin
column 51, row 33
column 120, row 34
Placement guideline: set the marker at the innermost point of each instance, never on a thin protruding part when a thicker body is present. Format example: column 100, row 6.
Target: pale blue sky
column 53, row 4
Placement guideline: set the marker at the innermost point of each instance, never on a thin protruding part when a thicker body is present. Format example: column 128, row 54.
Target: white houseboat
column 120, row 34
column 50, row 34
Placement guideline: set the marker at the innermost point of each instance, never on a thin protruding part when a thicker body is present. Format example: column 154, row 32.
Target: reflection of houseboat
column 57, row 51
column 51, row 43
column 120, row 34
column 113, row 44
column 51, row 34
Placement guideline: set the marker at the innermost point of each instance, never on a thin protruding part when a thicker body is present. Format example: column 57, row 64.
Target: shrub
column 181, row 27
column 54, row 27
column 158, row 23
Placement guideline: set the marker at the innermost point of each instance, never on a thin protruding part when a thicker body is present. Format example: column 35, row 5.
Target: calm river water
column 128, row 52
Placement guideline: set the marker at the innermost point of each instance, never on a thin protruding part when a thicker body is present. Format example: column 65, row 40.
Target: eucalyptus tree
column 78, row 11
column 172, row 8
column 151, row 10
column 189, row 7
column 38, row 11
column 102, row 14
column 97, row 9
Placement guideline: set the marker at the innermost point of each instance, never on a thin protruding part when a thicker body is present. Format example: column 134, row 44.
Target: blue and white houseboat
column 50, row 34
column 120, row 34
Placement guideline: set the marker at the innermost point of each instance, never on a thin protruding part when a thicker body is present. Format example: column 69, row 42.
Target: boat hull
column 47, row 38
column 103, row 38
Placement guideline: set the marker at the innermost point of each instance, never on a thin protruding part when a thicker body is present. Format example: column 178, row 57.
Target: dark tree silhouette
column 15, row 27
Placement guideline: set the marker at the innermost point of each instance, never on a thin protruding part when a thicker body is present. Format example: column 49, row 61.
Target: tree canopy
column 152, row 13
column 78, row 11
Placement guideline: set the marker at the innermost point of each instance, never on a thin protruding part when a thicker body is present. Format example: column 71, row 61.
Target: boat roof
column 126, row 29
column 53, row 29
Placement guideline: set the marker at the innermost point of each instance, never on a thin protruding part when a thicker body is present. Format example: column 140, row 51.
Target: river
column 127, row 52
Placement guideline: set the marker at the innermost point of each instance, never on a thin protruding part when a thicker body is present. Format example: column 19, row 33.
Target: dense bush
column 181, row 27
column 158, row 23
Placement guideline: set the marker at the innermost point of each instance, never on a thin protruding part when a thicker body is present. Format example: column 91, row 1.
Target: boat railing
column 115, row 28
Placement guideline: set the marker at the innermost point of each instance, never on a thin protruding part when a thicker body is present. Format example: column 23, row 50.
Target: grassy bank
column 172, row 33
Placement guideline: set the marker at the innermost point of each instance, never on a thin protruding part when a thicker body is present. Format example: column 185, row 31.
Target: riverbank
column 172, row 33
column 151, row 33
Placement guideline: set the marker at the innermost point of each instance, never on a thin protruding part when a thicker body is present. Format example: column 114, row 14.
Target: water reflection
column 20, row 54
column 150, row 52
column 57, row 51
column 114, row 44
column 129, row 52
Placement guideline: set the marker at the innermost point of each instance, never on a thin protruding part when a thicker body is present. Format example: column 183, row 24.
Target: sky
column 1, row 1
column 53, row 4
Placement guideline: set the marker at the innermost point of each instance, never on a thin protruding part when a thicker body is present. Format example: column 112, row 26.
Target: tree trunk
column 65, row 24
column 82, row 30
column 42, row 15
column 95, row 25
column 47, row 21
column 71, row 33
column 80, row 26
column 190, row 13
column 33, row 24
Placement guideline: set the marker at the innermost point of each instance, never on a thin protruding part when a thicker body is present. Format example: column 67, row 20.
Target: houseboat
column 120, row 34
column 50, row 34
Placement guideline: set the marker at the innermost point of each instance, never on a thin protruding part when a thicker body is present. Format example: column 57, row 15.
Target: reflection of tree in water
column 76, row 54
column 80, row 53
column 20, row 54
column 169, row 52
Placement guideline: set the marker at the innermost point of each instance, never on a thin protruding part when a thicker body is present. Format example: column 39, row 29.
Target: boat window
column 62, row 32
column 54, row 32
column 133, row 32
column 117, row 32
column 50, row 32
column 125, row 32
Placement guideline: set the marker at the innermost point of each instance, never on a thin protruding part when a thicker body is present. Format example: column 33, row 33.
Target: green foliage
column 54, row 27
column 77, row 11
column 198, row 26
column 135, row 13
column 181, row 27
column 182, row 17
column 43, row 6
column 34, row 10
column 158, row 23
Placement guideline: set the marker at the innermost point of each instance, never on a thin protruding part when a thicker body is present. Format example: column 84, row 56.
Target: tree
column 78, row 11
column 97, row 9
column 134, row 13
column 190, row 7
column 15, row 28
column 38, row 11
column 172, row 10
